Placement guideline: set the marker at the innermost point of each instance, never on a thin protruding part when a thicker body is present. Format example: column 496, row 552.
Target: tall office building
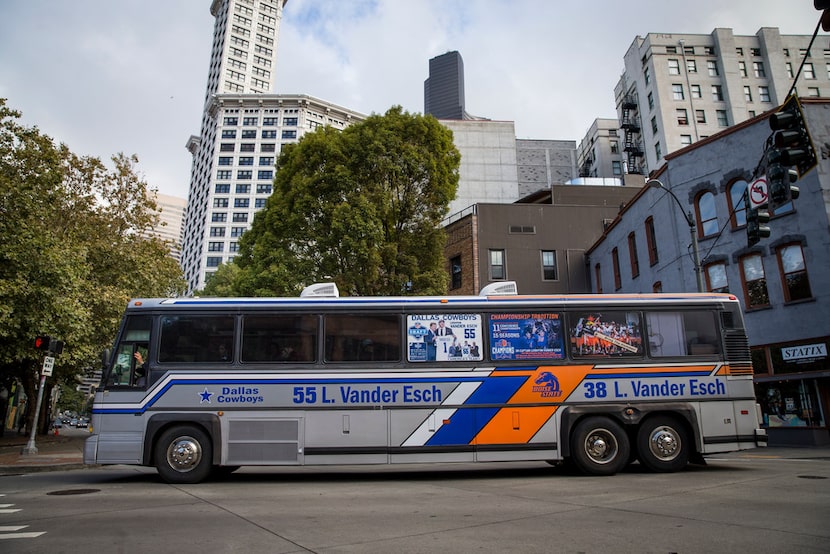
column 171, row 214
column 444, row 89
column 244, row 125
column 678, row 89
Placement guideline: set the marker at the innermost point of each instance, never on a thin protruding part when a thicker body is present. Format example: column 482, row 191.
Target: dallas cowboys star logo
column 206, row 394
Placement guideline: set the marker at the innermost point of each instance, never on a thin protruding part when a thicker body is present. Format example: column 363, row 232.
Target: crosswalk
column 15, row 531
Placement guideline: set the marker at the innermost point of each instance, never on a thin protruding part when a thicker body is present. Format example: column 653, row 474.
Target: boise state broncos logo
column 547, row 385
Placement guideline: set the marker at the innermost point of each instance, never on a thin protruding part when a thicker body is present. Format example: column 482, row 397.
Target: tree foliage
column 361, row 207
column 73, row 250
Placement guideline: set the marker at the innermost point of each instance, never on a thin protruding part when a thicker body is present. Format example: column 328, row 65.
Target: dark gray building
column 444, row 89
column 783, row 281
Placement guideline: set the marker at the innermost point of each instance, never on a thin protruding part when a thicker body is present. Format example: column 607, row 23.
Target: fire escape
column 633, row 143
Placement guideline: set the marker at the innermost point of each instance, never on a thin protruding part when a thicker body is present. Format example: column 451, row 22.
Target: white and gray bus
column 196, row 385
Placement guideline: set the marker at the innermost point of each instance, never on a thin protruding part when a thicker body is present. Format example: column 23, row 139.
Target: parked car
column 58, row 423
column 73, row 422
column 83, row 423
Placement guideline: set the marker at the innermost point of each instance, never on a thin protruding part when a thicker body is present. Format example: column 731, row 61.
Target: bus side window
column 682, row 333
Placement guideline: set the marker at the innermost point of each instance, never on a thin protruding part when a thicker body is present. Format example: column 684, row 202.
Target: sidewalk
column 64, row 451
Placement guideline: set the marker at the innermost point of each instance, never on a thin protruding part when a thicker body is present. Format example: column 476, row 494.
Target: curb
column 10, row 470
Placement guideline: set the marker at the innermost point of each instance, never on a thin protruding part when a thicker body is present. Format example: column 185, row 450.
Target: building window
column 598, row 278
column 237, row 231
column 230, row 121
column 812, row 92
column 737, row 206
column 270, row 121
column 240, row 217
column 677, row 92
column 269, row 134
column 225, row 160
column 243, row 189
column 650, row 101
column 793, row 273
column 654, row 125
column 763, row 94
column 249, row 133
column 244, row 174
column 223, row 174
column 723, row 119
column 646, row 75
column 497, row 269
column 742, row 69
column 227, row 147
column 615, row 147
column 246, row 160
column 549, row 265
column 242, row 203
column 712, row 66
column 228, row 133
column 682, row 116
column 748, row 93
column 755, row 282
column 217, row 231
column 247, row 147
column 674, row 67
column 691, row 66
column 808, row 71
column 616, row 167
column 758, row 70
column 717, row 93
column 700, row 116
column 220, row 202
column 265, row 174
column 266, row 161
column 632, row 254
column 707, row 217
column 223, row 188
column 289, row 134
column 685, row 140
column 651, row 241
column 214, row 261
column 615, row 260
column 250, row 121
column 716, row 277
column 455, row 273
column 267, row 147
column 657, row 150
column 755, row 52
column 216, row 246
column 290, row 121
column 657, row 287
column 696, row 93
column 263, row 189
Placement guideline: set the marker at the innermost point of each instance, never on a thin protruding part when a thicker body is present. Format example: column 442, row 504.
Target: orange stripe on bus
column 514, row 425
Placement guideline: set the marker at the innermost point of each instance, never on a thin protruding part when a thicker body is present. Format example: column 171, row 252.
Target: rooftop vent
column 502, row 288
column 320, row 290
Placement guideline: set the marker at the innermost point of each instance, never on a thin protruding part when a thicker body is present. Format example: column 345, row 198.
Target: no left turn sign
column 758, row 195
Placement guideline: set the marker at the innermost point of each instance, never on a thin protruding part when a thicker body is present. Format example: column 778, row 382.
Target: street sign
column 48, row 365
column 758, row 195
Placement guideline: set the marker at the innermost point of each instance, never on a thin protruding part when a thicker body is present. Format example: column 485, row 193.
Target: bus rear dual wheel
column 600, row 445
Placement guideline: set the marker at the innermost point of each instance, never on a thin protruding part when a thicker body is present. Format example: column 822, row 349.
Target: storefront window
column 790, row 403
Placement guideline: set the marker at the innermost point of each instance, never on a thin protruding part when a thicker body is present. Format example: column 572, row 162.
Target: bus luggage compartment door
column 261, row 441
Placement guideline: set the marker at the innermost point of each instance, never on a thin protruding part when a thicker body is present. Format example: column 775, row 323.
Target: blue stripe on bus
column 466, row 423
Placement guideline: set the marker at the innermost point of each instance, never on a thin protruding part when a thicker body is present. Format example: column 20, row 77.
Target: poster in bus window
column 606, row 334
column 526, row 337
column 443, row 337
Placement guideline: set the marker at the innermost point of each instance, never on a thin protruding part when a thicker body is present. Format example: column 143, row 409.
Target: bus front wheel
column 599, row 446
column 184, row 454
column 663, row 444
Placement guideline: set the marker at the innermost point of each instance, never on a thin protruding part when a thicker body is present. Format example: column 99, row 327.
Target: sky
column 110, row 76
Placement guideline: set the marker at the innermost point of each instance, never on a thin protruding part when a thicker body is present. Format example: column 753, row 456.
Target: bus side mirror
column 105, row 359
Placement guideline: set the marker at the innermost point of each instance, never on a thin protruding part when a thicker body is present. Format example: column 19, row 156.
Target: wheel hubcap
column 601, row 446
column 665, row 443
column 184, row 454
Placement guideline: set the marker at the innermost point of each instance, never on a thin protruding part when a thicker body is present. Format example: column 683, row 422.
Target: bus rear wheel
column 599, row 446
column 663, row 444
column 183, row 454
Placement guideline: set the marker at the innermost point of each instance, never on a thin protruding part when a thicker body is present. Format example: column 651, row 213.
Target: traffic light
column 823, row 5
column 43, row 342
column 756, row 224
column 791, row 146
column 49, row 344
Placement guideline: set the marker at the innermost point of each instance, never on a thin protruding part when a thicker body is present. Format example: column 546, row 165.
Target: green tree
column 74, row 251
column 361, row 207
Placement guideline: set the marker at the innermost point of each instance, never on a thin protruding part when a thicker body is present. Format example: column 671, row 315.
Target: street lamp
column 654, row 183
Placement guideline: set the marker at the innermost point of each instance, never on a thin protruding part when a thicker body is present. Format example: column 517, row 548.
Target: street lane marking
column 10, row 528
column 22, row 535
column 10, row 510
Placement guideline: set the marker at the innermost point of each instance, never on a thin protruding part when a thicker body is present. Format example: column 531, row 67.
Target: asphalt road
column 744, row 502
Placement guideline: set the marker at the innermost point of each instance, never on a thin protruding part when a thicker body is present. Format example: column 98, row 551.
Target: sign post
column 48, row 365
